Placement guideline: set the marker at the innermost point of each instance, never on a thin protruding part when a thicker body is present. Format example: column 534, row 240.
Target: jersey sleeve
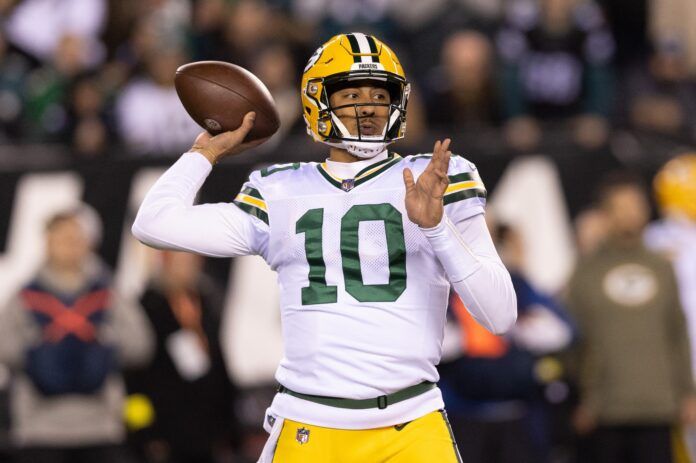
column 466, row 195
column 169, row 219
column 250, row 200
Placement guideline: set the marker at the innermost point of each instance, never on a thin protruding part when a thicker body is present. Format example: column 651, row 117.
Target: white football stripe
column 364, row 47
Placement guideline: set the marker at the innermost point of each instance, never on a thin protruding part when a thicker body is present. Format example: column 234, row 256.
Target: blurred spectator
column 337, row 16
column 141, row 43
column 590, row 231
column 555, row 57
column 208, row 24
column 171, row 19
column 275, row 67
column 13, row 71
column 421, row 28
column 460, row 91
column 672, row 27
column 186, row 383
column 150, row 117
column 47, row 91
column 66, row 336
column 634, row 362
column 662, row 96
column 39, row 26
column 88, row 122
column 151, row 25
column 130, row 56
column 250, row 26
column 494, row 390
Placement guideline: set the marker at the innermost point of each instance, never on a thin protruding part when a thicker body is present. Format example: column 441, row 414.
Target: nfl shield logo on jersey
column 348, row 184
column 302, row 435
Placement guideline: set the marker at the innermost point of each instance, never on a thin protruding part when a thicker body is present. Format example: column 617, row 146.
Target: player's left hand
column 424, row 198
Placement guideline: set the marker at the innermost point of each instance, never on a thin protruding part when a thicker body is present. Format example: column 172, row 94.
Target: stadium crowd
column 96, row 78
column 96, row 71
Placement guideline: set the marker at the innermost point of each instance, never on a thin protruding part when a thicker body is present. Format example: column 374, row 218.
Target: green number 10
column 318, row 292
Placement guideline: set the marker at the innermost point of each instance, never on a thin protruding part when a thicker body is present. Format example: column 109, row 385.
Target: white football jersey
column 362, row 296
column 677, row 241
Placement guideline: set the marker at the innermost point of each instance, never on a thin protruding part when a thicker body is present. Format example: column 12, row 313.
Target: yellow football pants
column 425, row 440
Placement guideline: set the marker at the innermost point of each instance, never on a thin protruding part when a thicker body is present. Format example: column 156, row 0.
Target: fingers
column 408, row 180
column 235, row 137
column 441, row 157
column 436, row 148
column 445, row 145
column 247, row 122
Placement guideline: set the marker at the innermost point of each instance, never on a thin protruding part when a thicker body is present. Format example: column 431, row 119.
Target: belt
column 380, row 402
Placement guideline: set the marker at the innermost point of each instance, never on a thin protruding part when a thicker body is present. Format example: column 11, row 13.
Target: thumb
column 408, row 180
column 247, row 122
column 202, row 138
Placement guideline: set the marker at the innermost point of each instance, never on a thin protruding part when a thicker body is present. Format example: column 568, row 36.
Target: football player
column 366, row 246
column 674, row 235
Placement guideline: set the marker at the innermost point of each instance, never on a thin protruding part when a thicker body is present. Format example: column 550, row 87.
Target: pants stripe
column 449, row 428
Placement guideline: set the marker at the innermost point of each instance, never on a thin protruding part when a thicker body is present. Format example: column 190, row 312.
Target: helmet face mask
column 393, row 120
column 339, row 64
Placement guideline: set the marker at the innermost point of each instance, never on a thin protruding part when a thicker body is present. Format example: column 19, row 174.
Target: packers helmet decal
column 345, row 58
column 675, row 186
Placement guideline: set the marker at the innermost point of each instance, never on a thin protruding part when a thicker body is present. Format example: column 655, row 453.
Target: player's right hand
column 225, row 144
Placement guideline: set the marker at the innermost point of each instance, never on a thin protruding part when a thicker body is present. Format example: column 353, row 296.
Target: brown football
column 217, row 95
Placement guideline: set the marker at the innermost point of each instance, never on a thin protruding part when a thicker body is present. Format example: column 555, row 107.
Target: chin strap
column 361, row 149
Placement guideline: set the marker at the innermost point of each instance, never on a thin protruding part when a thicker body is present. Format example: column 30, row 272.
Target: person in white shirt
column 366, row 246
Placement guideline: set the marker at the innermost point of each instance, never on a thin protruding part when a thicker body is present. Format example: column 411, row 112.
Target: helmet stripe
column 373, row 48
column 364, row 47
column 355, row 48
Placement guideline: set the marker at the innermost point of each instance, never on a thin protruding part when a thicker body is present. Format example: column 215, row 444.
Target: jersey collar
column 361, row 177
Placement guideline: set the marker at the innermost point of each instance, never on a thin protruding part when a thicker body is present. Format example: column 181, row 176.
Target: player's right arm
column 168, row 219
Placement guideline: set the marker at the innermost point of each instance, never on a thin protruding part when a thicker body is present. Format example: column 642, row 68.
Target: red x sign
column 67, row 319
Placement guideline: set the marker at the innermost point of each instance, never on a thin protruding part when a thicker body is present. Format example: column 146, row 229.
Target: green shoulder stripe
column 253, row 210
column 253, row 192
column 461, row 178
column 266, row 171
column 464, row 194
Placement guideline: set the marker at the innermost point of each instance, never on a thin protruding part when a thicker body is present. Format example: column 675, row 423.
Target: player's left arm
column 462, row 243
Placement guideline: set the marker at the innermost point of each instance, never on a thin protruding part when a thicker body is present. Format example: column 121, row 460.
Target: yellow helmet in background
column 675, row 186
column 344, row 58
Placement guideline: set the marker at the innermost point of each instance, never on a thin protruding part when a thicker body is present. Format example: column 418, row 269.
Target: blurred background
column 581, row 118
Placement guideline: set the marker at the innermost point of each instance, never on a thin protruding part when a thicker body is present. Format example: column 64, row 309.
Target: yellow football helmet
column 675, row 186
column 344, row 58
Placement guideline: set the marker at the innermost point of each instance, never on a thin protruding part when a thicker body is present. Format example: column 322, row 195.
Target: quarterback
column 366, row 246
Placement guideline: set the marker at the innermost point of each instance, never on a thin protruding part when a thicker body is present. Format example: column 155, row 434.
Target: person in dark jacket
column 186, row 384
